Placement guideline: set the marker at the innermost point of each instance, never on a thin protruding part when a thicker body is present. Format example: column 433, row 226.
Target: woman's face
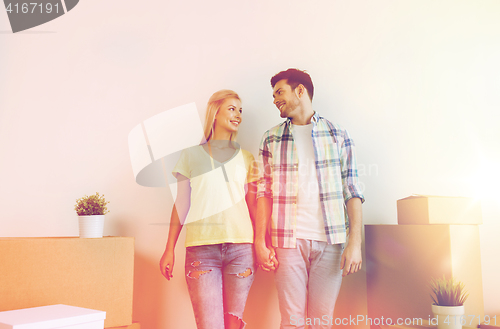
column 229, row 115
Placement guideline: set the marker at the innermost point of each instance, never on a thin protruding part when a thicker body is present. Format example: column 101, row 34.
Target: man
column 308, row 179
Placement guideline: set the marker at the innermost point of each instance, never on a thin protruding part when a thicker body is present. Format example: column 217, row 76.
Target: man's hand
column 351, row 259
column 266, row 257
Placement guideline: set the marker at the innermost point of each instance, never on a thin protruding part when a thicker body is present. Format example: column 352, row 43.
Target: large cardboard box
column 52, row 316
column 491, row 322
column 426, row 209
column 402, row 259
column 135, row 325
column 90, row 273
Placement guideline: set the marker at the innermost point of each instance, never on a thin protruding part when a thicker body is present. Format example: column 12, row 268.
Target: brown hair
column 295, row 77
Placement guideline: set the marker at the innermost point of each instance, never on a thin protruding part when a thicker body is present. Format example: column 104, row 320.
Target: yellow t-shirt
column 218, row 211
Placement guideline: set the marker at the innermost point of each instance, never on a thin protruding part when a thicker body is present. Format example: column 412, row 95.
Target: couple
column 303, row 200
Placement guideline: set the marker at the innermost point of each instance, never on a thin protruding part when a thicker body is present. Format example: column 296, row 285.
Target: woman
column 215, row 201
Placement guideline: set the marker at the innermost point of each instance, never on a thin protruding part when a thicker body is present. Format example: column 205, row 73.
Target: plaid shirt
column 337, row 178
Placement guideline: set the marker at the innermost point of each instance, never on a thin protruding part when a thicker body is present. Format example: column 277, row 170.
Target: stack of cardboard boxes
column 435, row 236
column 95, row 274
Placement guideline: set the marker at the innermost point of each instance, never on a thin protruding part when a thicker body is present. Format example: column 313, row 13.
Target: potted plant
column 448, row 302
column 91, row 211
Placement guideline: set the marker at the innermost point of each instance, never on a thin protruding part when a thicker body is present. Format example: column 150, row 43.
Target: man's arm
column 251, row 192
column 351, row 257
column 266, row 256
column 264, row 251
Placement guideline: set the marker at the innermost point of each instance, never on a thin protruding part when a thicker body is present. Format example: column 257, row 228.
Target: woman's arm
column 179, row 213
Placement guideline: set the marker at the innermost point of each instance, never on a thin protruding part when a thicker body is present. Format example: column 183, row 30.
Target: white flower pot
column 91, row 226
column 448, row 317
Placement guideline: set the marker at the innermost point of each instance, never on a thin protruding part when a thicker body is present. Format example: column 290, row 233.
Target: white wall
column 415, row 82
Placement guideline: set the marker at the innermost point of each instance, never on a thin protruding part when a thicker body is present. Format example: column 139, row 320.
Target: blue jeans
column 219, row 278
column 308, row 281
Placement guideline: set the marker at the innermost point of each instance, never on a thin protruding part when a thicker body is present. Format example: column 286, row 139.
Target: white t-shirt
column 310, row 222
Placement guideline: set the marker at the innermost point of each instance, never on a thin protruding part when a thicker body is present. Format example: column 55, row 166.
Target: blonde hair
column 213, row 106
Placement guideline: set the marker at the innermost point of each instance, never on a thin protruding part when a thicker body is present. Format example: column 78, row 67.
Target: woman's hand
column 180, row 209
column 167, row 264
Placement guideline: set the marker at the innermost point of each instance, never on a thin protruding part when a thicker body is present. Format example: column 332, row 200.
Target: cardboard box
column 90, row 273
column 402, row 259
column 135, row 325
column 52, row 316
column 493, row 322
column 425, row 325
column 426, row 209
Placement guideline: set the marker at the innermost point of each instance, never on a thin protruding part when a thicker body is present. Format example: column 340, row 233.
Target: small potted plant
column 91, row 211
column 448, row 302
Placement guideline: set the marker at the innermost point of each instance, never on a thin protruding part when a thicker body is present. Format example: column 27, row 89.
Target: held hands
column 167, row 264
column 266, row 257
column 351, row 259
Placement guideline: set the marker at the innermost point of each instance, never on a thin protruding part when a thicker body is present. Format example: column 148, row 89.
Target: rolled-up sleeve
column 350, row 182
column 264, row 186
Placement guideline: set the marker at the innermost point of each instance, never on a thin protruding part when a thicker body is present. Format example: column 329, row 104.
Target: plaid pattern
column 279, row 177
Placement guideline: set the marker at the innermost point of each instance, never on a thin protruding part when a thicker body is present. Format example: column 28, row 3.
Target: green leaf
column 447, row 292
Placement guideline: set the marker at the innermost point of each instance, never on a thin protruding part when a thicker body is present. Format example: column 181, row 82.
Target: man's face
column 285, row 99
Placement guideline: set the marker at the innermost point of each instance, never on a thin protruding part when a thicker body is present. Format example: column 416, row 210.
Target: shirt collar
column 314, row 119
